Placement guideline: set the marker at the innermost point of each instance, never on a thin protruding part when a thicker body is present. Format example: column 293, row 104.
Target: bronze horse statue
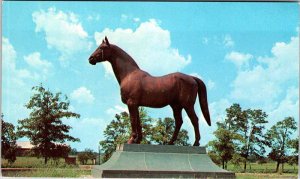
column 139, row 88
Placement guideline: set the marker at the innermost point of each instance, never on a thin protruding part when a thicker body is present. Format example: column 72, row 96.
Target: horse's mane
column 120, row 52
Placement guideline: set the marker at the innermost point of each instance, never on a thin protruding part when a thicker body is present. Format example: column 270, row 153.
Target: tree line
column 239, row 138
column 242, row 136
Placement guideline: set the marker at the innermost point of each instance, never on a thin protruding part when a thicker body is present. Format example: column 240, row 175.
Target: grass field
column 264, row 175
column 33, row 162
column 49, row 172
column 39, row 169
column 263, row 168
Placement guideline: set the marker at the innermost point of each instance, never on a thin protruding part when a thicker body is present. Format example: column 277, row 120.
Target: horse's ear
column 107, row 42
column 103, row 41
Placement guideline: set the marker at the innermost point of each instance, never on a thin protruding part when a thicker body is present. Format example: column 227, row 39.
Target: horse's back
column 168, row 89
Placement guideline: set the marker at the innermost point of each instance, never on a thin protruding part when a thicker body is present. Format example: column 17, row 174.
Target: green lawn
column 33, row 162
column 263, row 168
column 49, row 172
column 264, row 175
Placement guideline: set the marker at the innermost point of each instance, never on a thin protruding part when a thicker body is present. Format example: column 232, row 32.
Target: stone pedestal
column 159, row 161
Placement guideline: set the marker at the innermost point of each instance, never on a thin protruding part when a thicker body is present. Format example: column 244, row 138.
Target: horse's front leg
column 136, row 131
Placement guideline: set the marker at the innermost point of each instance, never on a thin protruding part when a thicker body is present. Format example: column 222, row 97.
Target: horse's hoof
column 171, row 143
column 136, row 141
column 196, row 144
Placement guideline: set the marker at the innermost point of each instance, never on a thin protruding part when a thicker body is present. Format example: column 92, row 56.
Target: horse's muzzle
column 92, row 61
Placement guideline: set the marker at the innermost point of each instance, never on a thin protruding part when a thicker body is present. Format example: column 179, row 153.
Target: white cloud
column 217, row 109
column 239, row 59
column 8, row 53
column 16, row 77
column 108, row 69
column 117, row 109
column 289, row 106
column 225, row 41
column 34, row 60
column 16, row 84
column 63, row 31
column 264, row 82
column 82, row 95
column 228, row 41
column 149, row 45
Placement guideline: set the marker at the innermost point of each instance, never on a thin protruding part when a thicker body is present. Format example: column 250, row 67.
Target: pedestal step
column 159, row 161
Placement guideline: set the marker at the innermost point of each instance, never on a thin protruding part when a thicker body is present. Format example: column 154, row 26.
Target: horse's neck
column 122, row 64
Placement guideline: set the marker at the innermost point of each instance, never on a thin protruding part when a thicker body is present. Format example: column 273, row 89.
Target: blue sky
column 246, row 53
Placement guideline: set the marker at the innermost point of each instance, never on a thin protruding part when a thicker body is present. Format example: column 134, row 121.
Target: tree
column 8, row 141
column 249, row 124
column 163, row 131
column 119, row 129
column 73, row 151
column 278, row 139
column 214, row 157
column 223, row 146
column 44, row 126
column 294, row 145
column 86, row 155
column 237, row 159
column 60, row 150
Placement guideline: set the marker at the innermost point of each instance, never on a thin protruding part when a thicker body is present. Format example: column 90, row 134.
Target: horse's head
column 102, row 53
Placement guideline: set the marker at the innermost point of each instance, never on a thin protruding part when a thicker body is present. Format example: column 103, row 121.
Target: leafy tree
column 262, row 160
column 60, row 150
column 279, row 139
column 73, row 151
column 223, row 146
column 82, row 158
column 8, row 141
column 214, row 157
column 86, row 155
column 249, row 124
column 163, row 131
column 119, row 130
column 237, row 159
column 294, row 145
column 44, row 126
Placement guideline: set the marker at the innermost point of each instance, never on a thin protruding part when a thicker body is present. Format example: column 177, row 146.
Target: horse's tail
column 203, row 100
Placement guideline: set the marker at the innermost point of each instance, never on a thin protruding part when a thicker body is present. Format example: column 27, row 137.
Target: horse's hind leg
column 178, row 122
column 194, row 119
